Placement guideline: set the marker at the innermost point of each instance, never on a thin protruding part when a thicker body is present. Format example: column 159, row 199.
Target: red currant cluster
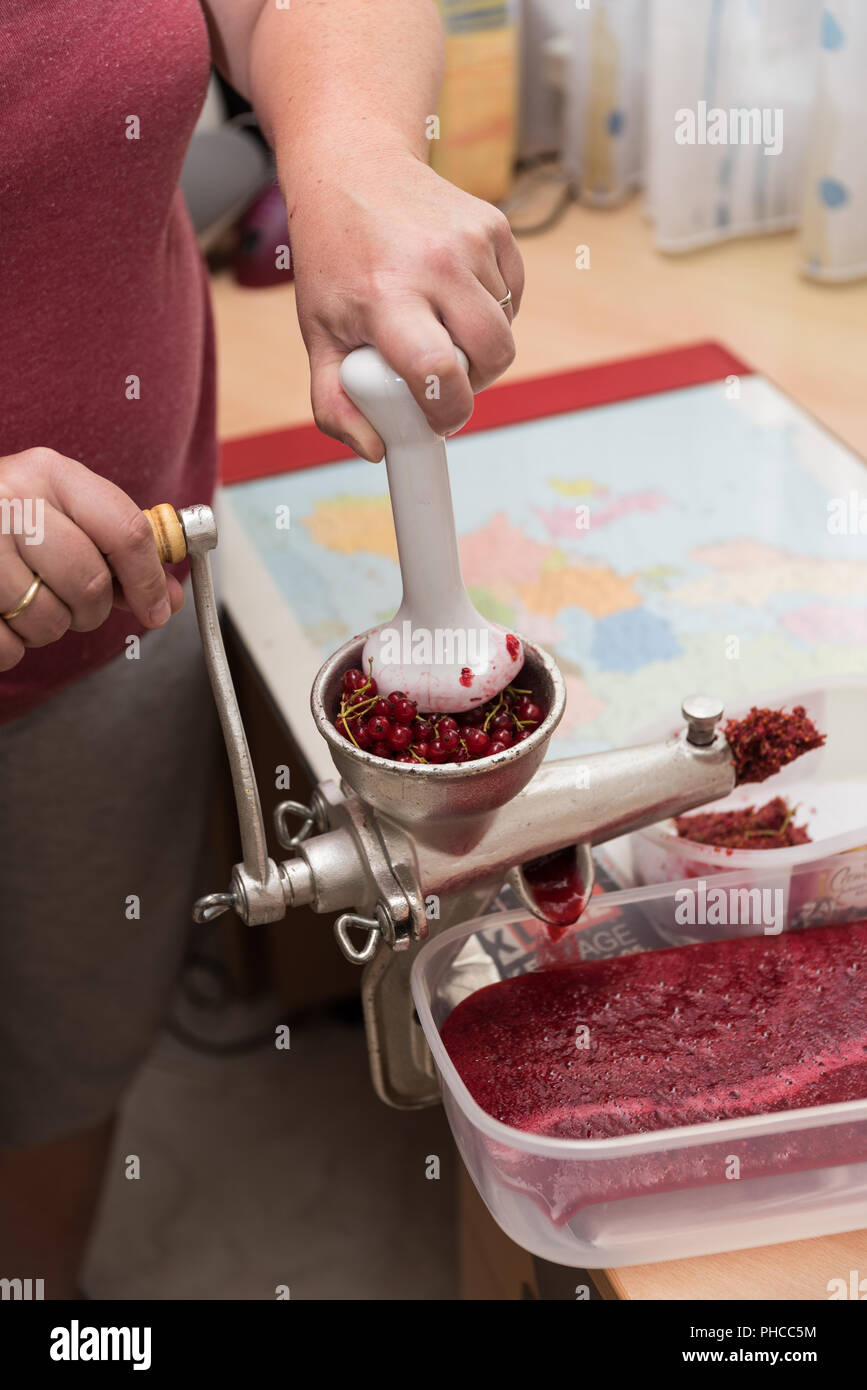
column 392, row 727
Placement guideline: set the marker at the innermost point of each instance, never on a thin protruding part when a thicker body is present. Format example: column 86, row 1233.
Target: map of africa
column 660, row 545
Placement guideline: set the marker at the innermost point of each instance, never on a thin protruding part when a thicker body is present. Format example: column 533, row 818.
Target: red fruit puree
column 771, row 826
column 557, row 889
column 675, row 1037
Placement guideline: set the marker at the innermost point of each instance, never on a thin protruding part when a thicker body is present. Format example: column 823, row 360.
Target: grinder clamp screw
column 382, row 927
column 211, row 906
column 354, row 955
column 309, row 820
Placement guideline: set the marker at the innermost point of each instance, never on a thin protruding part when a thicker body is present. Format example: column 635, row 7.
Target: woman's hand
column 88, row 542
column 386, row 252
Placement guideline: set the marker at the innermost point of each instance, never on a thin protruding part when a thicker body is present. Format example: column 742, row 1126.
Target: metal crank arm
column 256, row 891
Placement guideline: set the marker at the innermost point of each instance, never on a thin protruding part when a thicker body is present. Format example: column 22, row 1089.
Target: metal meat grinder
column 388, row 841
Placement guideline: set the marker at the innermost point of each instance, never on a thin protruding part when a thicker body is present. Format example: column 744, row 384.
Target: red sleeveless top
column 100, row 275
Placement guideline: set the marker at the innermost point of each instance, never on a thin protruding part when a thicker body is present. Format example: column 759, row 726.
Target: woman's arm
column 385, row 251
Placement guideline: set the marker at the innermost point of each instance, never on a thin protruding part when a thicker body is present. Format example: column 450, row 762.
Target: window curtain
column 735, row 116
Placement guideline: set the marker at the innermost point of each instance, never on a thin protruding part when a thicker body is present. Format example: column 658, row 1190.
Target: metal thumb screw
column 702, row 714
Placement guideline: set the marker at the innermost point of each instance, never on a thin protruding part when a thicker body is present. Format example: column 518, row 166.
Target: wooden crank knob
column 168, row 533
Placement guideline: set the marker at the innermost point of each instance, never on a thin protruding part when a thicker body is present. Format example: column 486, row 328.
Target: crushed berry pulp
column 771, row 826
column 392, row 726
column 766, row 740
column 742, row 1026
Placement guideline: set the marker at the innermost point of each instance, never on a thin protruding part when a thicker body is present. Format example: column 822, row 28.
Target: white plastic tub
column 828, row 785
column 665, row 1194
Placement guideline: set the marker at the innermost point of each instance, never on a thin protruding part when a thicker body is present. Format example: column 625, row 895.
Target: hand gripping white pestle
column 437, row 649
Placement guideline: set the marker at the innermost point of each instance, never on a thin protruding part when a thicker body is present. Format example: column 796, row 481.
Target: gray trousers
column 104, row 798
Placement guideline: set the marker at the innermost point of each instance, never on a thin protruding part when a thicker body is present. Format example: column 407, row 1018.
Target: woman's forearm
column 384, row 251
column 329, row 77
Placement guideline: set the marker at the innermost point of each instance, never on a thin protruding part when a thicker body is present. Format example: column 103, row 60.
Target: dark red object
column 396, row 730
column 353, row 679
column 737, row 1027
column 766, row 740
column 557, row 889
column 263, row 257
column 771, row 826
column 403, row 710
column 477, row 742
column 378, row 726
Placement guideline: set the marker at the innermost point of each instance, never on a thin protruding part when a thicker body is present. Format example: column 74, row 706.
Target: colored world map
column 657, row 546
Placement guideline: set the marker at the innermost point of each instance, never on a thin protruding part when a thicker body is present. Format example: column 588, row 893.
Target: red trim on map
column 304, row 446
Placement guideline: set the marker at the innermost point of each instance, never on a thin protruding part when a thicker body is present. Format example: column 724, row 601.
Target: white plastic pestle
column 437, row 649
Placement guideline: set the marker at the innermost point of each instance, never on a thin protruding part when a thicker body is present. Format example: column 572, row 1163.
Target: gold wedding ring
column 508, row 299
column 25, row 602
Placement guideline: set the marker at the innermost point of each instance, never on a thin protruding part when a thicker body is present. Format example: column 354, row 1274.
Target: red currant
column 378, row 727
column 529, row 712
column 353, row 680
column 360, row 733
column 477, row 742
column 402, row 709
column 392, row 728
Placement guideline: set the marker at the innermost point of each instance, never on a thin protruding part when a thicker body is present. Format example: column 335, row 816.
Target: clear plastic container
column 663, row 1194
